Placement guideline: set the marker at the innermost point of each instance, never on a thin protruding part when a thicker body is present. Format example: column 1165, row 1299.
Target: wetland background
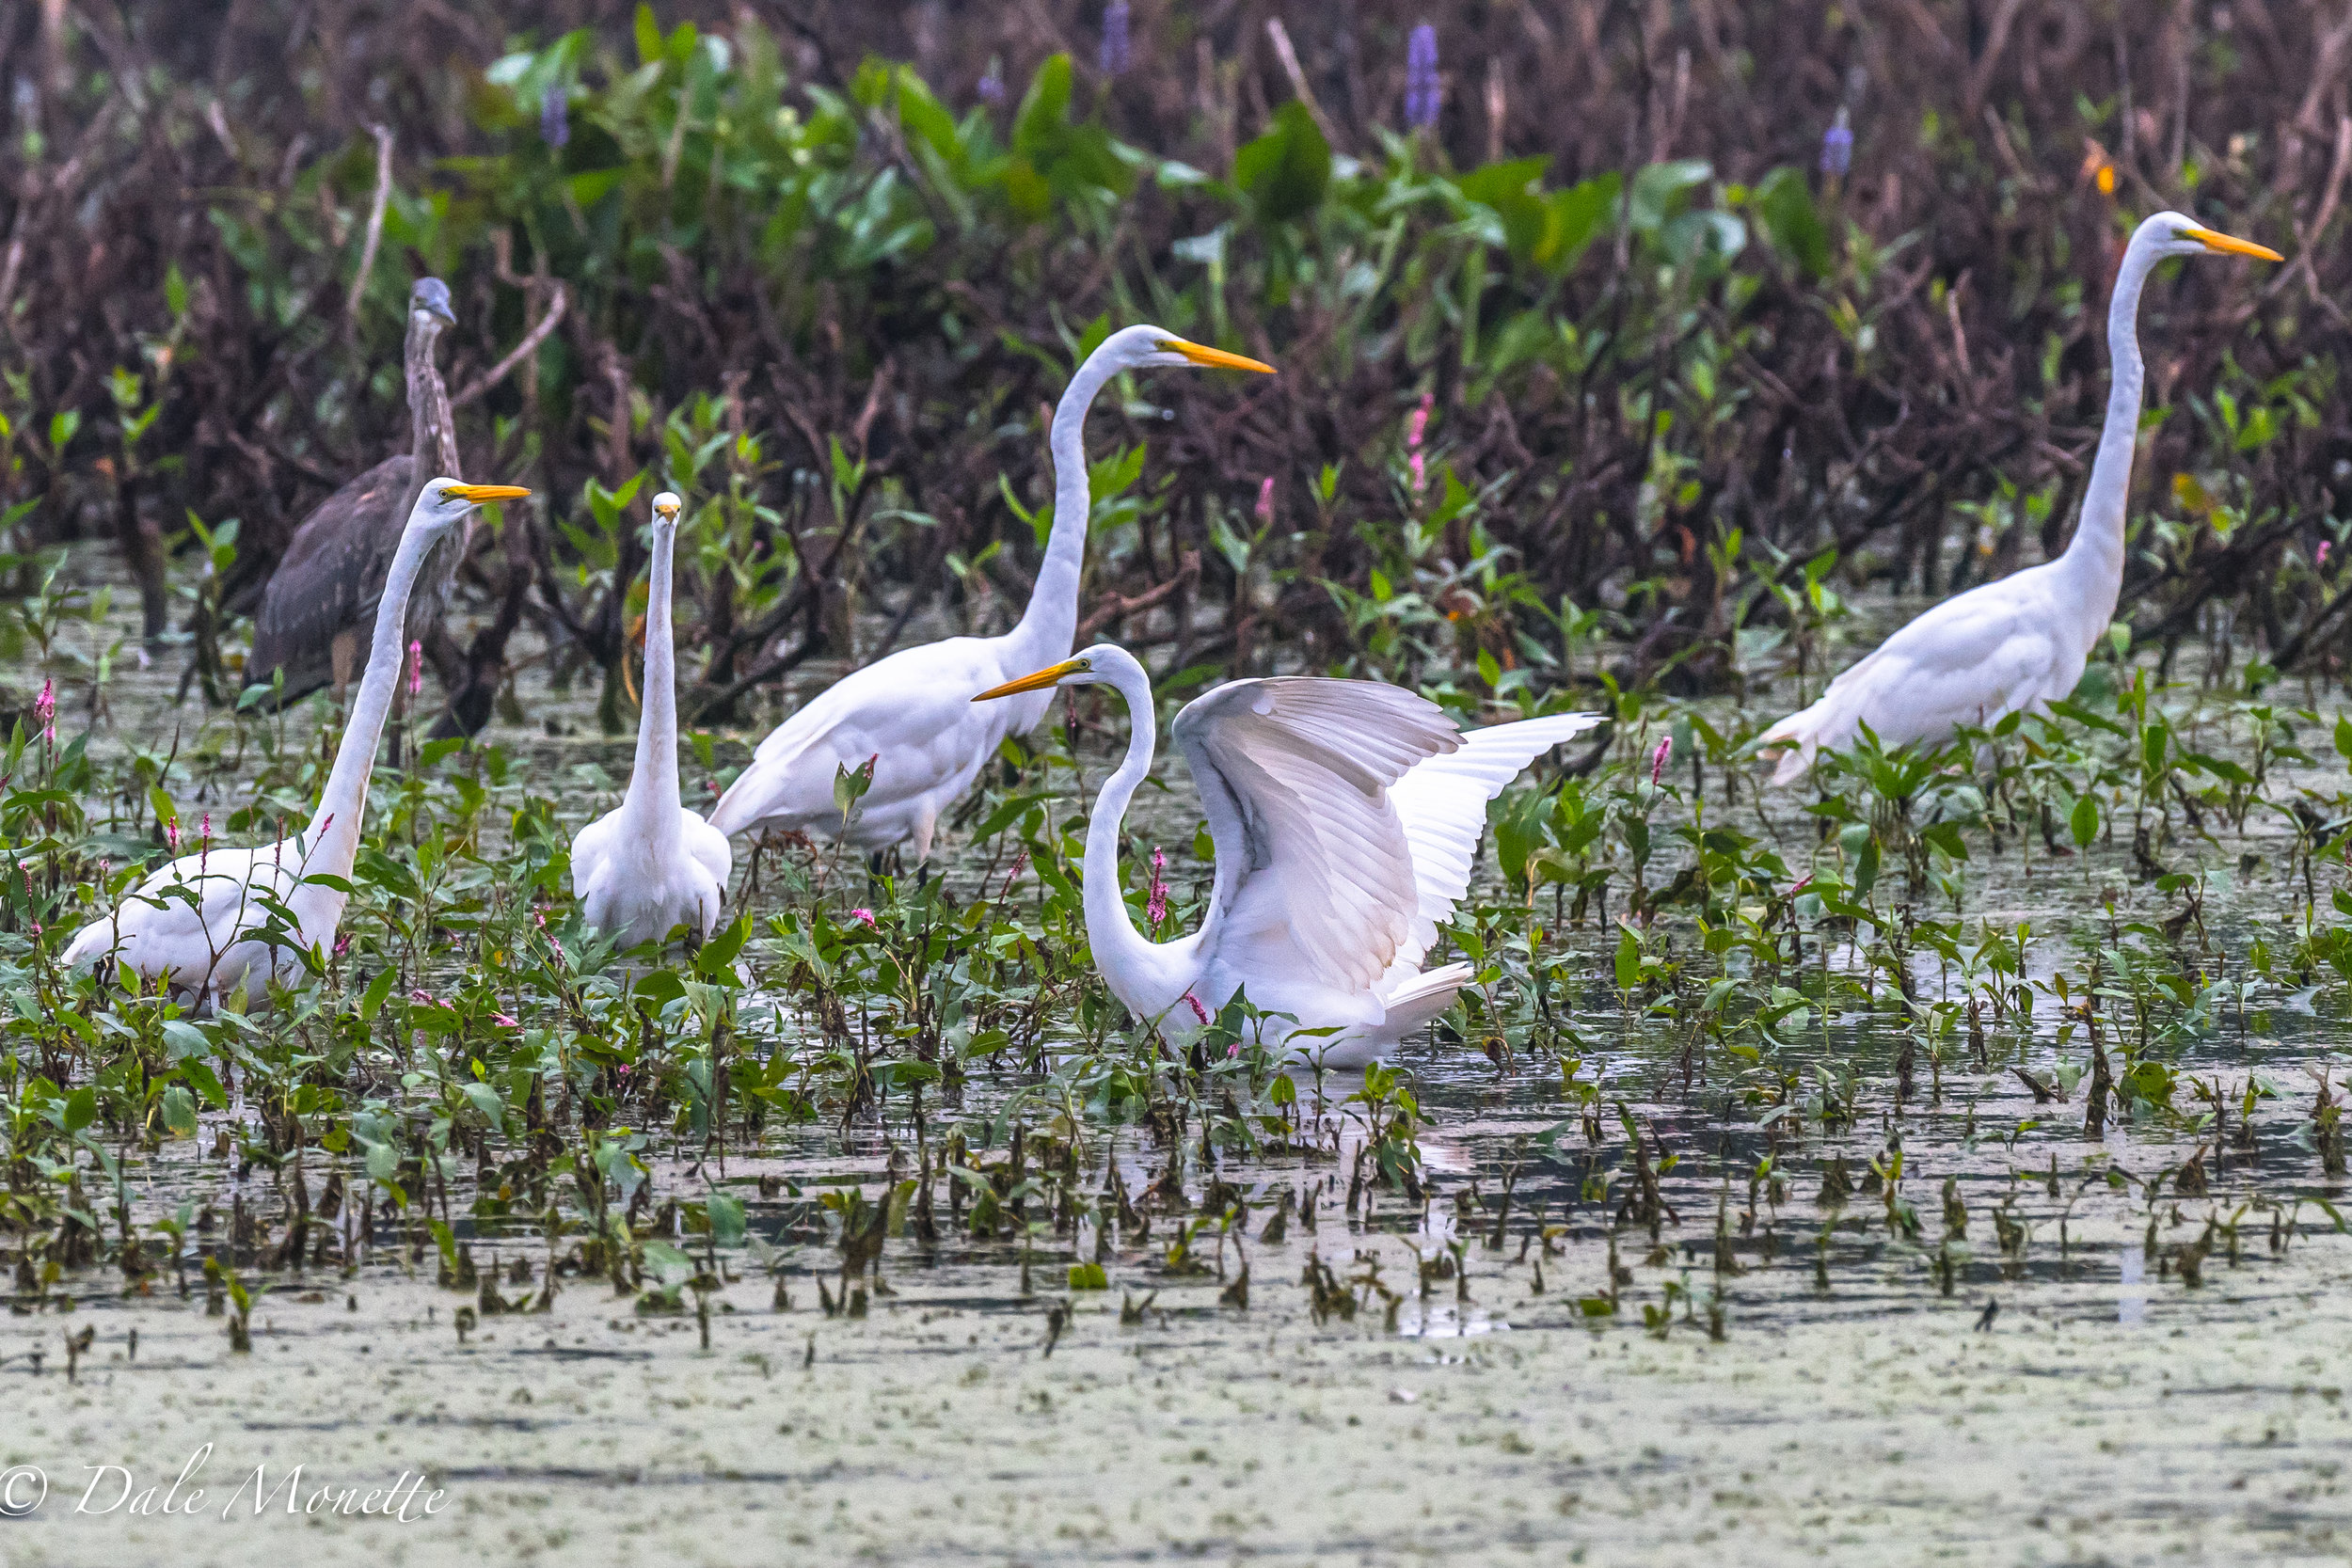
column 1950, row 1151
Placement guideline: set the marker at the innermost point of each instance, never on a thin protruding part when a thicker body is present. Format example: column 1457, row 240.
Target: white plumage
column 225, row 919
column 2021, row 643
column 1346, row 817
column 650, row 865
column 909, row 714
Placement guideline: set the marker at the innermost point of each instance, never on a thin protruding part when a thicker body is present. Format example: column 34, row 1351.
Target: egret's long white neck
column 331, row 841
column 652, row 806
column 1128, row 959
column 2095, row 556
column 1049, row 627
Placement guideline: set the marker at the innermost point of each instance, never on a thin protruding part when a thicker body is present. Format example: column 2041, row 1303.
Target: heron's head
column 2173, row 235
column 446, row 501
column 1088, row 667
column 1137, row 348
column 429, row 300
column 665, row 510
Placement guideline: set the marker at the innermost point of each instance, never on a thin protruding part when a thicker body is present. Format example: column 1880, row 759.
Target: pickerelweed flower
column 45, row 709
column 416, row 666
column 991, row 88
column 555, row 116
column 1658, row 760
column 1837, row 146
column 1117, row 47
column 1157, row 908
column 1265, row 500
column 1416, row 427
column 1424, row 92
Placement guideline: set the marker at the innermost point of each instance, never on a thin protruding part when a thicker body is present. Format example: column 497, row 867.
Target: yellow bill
column 1216, row 358
column 2214, row 240
column 480, row 493
column 1037, row 682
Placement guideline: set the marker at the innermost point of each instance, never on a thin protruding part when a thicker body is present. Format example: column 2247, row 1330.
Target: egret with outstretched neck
column 1346, row 817
column 221, row 921
column 906, row 715
column 650, row 865
column 2020, row 643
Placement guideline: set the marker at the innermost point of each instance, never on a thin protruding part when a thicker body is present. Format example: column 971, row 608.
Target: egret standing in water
column 907, row 715
column 651, row 866
column 320, row 601
column 1346, row 817
column 209, row 924
column 2020, row 643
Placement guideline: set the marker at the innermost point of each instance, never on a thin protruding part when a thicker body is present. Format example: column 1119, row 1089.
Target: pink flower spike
column 416, row 666
column 45, row 708
column 1157, row 910
column 504, row 1022
column 866, row 915
column 1658, row 761
column 343, row 944
column 172, row 836
column 422, row 998
column 2319, row 556
column 1198, row 1010
column 1265, row 500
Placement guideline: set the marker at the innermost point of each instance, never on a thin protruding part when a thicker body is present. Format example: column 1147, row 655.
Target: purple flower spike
column 1423, row 93
column 1837, row 146
column 555, row 116
column 1117, row 47
column 991, row 88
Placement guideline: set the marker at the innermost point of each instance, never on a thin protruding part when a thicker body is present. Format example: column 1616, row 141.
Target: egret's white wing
column 1293, row 775
column 1443, row 805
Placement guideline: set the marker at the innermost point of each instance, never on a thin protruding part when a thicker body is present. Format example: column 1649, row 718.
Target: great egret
column 320, row 601
column 650, row 864
column 907, row 714
column 195, row 925
column 1346, row 817
column 2020, row 643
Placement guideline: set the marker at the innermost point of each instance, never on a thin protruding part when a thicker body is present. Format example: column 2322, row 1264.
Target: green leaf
column 486, row 1099
column 1629, row 958
column 1785, row 209
column 378, row 988
column 199, row 1074
column 726, row 1219
column 1045, row 108
column 1089, row 1276
column 80, row 1109
column 1285, row 171
column 2084, row 822
column 178, row 1110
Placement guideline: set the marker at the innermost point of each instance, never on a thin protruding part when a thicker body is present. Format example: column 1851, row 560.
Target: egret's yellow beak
column 1216, row 358
column 1051, row 674
column 480, row 493
column 2213, row 240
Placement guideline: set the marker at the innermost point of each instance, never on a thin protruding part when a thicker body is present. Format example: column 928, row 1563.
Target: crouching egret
column 1346, row 817
column 214, row 922
column 651, row 864
column 2020, row 643
column 907, row 714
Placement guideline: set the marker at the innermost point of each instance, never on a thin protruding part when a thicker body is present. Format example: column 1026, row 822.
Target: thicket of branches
column 1641, row 386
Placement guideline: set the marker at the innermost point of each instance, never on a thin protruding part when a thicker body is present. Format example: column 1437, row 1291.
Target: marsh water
column 1621, row 1312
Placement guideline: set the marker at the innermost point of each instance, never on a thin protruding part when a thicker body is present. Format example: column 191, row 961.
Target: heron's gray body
column 313, row 627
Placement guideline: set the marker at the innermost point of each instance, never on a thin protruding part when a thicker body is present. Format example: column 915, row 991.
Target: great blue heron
column 651, row 864
column 208, row 922
column 906, row 717
column 316, row 612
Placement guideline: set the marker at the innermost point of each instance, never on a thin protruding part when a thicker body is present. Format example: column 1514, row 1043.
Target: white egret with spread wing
column 2020, row 643
column 1346, row 817
column 650, row 864
column 907, row 714
column 222, row 919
